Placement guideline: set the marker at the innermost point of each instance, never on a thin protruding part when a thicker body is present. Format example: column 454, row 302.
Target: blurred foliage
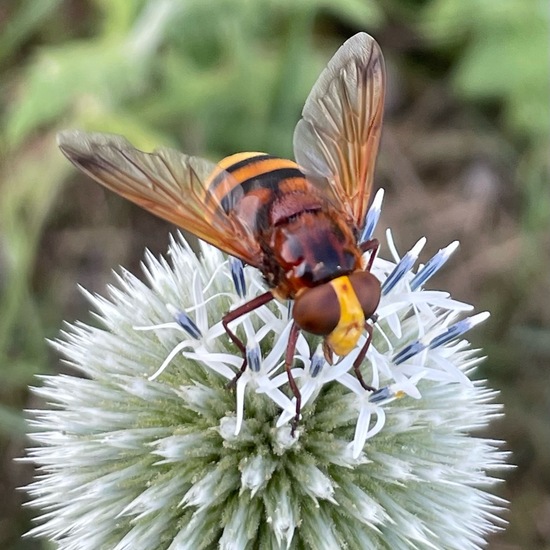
column 505, row 60
column 469, row 88
column 156, row 68
column 504, row 53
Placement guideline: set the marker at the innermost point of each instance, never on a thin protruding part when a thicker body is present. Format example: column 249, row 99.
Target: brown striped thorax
column 306, row 241
column 298, row 221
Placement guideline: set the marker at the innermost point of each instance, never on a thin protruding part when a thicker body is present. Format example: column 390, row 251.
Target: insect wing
column 337, row 138
column 166, row 182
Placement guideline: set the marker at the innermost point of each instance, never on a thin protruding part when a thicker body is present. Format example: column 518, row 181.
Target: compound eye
column 317, row 310
column 367, row 290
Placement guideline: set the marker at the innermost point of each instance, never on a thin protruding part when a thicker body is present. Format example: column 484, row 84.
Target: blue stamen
column 396, row 275
column 459, row 328
column 380, row 395
column 408, row 351
column 187, row 324
column 452, row 332
column 253, row 358
column 237, row 273
column 372, row 217
column 403, row 267
column 317, row 364
column 433, row 265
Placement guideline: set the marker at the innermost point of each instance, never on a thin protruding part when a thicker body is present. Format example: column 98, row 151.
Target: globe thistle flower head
column 147, row 448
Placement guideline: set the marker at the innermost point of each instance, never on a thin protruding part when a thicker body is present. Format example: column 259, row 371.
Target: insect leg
column 253, row 304
column 289, row 360
column 371, row 245
column 361, row 356
column 328, row 353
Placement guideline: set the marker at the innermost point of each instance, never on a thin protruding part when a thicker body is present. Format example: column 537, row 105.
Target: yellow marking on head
column 352, row 319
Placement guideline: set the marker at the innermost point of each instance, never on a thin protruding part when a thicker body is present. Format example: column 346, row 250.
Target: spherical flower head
column 148, row 448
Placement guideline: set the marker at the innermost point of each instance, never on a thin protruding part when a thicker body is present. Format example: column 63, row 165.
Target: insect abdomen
column 255, row 182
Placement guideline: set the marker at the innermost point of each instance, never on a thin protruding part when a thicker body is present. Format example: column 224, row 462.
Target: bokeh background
column 465, row 155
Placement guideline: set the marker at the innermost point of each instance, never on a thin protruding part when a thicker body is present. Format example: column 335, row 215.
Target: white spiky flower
column 148, row 449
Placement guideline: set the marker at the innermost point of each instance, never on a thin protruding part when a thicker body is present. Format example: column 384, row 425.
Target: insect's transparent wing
column 337, row 138
column 170, row 184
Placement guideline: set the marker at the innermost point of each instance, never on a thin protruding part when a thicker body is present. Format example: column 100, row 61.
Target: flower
column 148, row 448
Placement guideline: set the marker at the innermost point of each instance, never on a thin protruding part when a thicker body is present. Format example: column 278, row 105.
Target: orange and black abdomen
column 305, row 241
column 256, row 181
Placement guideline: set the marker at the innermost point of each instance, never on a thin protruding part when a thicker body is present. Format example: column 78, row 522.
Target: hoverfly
column 299, row 222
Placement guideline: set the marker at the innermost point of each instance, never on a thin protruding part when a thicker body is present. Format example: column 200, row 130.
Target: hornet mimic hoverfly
column 298, row 222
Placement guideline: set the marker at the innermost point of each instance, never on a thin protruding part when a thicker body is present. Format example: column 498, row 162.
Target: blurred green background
column 465, row 155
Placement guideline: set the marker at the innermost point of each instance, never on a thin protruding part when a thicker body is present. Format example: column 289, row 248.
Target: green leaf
column 26, row 20
column 503, row 56
column 12, row 422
